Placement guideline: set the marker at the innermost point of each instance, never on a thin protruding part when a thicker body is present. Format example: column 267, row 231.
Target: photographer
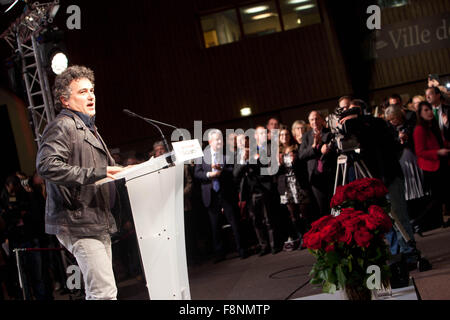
column 379, row 152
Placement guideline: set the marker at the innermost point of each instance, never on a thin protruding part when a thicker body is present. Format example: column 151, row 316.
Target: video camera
column 344, row 140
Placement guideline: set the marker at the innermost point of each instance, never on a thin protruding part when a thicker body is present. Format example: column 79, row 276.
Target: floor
column 285, row 275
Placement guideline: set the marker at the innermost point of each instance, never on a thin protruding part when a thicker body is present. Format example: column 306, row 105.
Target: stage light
column 305, row 7
column 256, row 9
column 246, row 111
column 448, row 85
column 59, row 62
column 54, row 11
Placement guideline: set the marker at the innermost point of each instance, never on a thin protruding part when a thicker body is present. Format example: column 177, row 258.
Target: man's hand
column 352, row 116
column 317, row 138
column 111, row 171
column 325, row 149
column 215, row 174
column 443, row 152
column 444, row 119
column 403, row 137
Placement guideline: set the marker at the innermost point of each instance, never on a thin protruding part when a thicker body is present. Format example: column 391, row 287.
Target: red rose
column 353, row 222
column 312, row 240
column 371, row 222
column 379, row 218
column 338, row 198
column 347, row 211
column 329, row 248
column 380, row 189
column 319, row 224
column 350, row 192
column 362, row 237
column 362, row 196
column 345, row 236
column 329, row 232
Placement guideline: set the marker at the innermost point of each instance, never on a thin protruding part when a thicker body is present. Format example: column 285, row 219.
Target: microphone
column 152, row 122
column 132, row 114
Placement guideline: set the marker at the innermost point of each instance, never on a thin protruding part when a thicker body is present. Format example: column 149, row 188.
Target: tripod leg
column 337, row 178
column 368, row 174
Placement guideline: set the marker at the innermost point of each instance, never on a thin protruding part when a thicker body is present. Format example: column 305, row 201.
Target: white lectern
column 155, row 190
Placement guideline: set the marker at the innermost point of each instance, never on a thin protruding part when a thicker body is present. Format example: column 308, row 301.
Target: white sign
column 187, row 150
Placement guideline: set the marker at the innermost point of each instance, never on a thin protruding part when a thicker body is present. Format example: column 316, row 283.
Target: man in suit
column 320, row 160
column 440, row 110
column 258, row 190
column 218, row 193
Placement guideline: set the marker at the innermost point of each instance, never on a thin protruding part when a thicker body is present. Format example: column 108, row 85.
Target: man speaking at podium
column 71, row 158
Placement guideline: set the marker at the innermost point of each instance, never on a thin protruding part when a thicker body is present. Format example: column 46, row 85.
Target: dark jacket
column 71, row 159
column 378, row 147
column 251, row 181
column 446, row 130
column 311, row 156
column 226, row 190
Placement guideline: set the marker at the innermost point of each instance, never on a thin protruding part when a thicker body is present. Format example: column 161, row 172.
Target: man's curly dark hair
column 63, row 81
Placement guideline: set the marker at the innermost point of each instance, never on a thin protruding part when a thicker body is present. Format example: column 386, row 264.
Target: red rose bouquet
column 347, row 243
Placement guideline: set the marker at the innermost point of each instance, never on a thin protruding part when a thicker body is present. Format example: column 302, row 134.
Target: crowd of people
column 407, row 147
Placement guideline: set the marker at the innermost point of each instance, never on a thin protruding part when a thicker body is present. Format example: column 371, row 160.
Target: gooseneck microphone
column 153, row 123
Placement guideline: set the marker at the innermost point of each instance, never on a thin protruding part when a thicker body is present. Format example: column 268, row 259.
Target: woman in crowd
column 415, row 102
column 292, row 195
column 299, row 128
column 432, row 157
column 413, row 175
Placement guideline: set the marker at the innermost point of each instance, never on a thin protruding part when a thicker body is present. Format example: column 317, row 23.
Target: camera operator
column 378, row 151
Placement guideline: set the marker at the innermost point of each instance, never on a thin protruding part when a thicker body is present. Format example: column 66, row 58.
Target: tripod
column 360, row 167
column 361, row 171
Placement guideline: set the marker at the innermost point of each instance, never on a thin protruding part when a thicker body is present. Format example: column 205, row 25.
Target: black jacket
column 311, row 156
column 227, row 189
column 379, row 150
column 71, row 159
column 251, row 181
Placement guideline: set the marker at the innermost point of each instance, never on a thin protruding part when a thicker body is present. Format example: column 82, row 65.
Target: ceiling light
column 305, row 7
column 448, row 85
column 246, row 111
column 296, row 1
column 256, row 9
column 263, row 16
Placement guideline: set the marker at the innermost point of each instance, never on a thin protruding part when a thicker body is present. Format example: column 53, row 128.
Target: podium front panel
column 157, row 205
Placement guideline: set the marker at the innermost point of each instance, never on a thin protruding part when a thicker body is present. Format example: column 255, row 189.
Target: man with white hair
column 218, row 193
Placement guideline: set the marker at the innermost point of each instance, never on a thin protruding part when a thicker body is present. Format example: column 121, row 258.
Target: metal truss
column 22, row 37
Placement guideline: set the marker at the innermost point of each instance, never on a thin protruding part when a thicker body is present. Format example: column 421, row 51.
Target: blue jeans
column 395, row 238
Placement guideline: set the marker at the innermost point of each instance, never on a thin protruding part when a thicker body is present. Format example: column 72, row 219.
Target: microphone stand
column 153, row 123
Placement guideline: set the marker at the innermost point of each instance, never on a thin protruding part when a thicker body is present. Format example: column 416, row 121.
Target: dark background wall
column 149, row 57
